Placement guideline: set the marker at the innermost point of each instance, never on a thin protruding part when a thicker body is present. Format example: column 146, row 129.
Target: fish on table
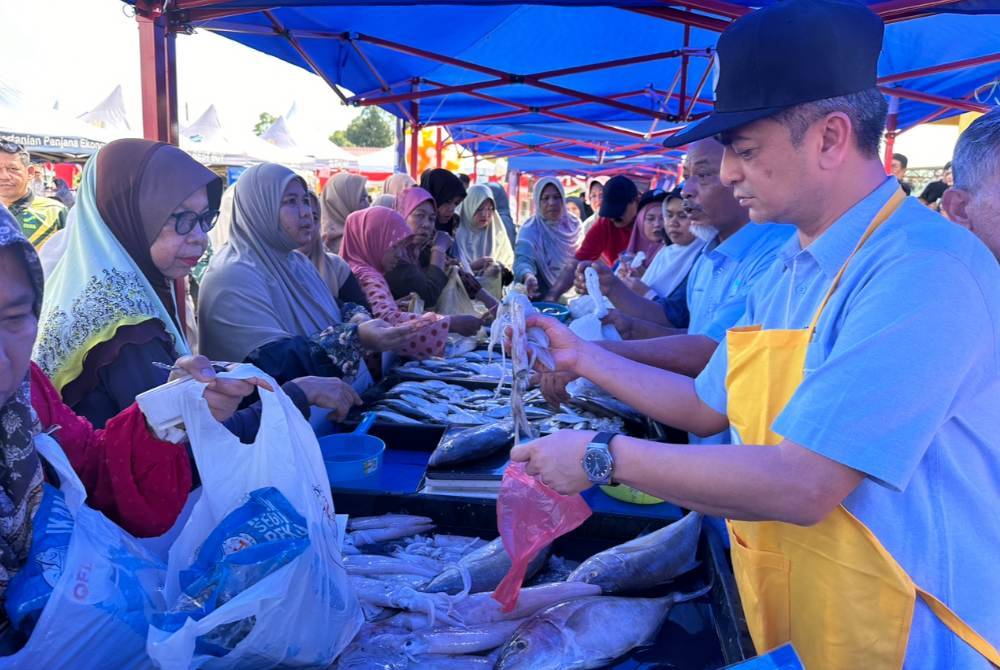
column 461, row 446
column 587, row 632
column 486, row 567
column 647, row 561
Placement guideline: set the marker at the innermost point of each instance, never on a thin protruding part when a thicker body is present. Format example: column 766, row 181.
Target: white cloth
column 670, row 267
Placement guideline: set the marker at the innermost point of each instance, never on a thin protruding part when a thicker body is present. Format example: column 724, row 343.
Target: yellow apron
column 831, row 589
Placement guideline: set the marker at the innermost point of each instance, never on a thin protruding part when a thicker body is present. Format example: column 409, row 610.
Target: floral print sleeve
column 429, row 341
column 351, row 310
column 340, row 343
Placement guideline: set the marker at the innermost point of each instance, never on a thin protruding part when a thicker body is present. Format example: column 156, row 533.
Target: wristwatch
column 597, row 460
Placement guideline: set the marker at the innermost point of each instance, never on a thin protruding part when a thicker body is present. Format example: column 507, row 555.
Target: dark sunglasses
column 9, row 147
column 184, row 222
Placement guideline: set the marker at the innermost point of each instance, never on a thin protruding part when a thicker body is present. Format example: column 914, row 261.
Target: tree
column 339, row 137
column 370, row 129
column 265, row 122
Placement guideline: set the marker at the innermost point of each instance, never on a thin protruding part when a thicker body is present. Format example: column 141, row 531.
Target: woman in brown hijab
column 109, row 313
column 343, row 194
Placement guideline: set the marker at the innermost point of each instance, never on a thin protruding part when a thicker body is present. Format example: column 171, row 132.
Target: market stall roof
column 547, row 64
column 211, row 143
column 376, row 163
column 283, row 136
column 46, row 131
column 110, row 114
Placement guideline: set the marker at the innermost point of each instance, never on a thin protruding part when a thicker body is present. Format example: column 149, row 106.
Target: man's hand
column 329, row 393
column 564, row 345
column 557, row 460
column 622, row 322
column 553, row 385
column 222, row 395
column 610, row 284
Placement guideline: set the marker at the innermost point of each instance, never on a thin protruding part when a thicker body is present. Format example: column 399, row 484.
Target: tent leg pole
column 439, row 148
column 158, row 72
column 414, row 150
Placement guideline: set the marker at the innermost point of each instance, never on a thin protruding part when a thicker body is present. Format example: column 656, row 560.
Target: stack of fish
column 476, row 365
column 434, row 401
column 421, row 619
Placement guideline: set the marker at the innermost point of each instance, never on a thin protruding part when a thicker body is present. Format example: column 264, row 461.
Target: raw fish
column 649, row 560
column 587, row 632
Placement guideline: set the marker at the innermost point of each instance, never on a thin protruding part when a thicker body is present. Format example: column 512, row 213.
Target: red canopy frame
column 158, row 27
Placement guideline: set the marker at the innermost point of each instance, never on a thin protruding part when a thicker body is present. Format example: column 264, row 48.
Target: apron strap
column 887, row 210
column 960, row 628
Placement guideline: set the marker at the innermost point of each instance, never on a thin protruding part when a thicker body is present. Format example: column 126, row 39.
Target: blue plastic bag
column 253, row 541
column 87, row 602
column 30, row 588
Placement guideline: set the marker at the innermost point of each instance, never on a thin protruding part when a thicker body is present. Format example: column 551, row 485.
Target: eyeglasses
column 9, row 147
column 184, row 222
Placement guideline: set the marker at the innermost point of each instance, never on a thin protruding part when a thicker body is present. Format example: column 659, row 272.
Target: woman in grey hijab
column 264, row 302
column 503, row 209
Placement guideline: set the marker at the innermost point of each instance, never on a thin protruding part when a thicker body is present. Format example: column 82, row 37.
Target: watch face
column 597, row 463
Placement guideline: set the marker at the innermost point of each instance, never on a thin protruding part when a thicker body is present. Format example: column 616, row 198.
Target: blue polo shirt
column 902, row 383
column 720, row 280
column 725, row 272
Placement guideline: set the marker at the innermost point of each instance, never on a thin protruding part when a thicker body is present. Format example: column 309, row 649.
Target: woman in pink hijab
column 375, row 240
column 647, row 234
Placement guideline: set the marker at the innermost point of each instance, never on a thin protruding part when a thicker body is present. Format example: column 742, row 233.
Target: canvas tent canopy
column 583, row 85
column 46, row 132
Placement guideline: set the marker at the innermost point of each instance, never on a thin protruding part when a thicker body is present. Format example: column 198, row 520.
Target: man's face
column 708, row 201
column 18, row 323
column 770, row 176
column 898, row 171
column 628, row 216
column 979, row 211
column 14, row 177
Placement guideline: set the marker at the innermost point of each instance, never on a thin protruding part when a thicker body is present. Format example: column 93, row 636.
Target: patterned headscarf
column 20, row 467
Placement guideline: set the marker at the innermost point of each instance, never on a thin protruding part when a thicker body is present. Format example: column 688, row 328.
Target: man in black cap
column 863, row 430
column 607, row 238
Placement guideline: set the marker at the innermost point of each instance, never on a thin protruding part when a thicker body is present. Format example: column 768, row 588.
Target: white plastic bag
column 99, row 610
column 305, row 613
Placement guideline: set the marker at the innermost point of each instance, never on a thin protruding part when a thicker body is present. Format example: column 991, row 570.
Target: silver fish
column 649, row 560
column 459, row 639
column 487, row 567
column 387, row 521
column 480, row 608
column 587, row 632
column 472, row 444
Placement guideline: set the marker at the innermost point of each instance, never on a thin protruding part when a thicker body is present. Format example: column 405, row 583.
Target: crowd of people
column 786, row 296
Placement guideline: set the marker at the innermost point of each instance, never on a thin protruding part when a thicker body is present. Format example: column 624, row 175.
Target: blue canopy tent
column 592, row 88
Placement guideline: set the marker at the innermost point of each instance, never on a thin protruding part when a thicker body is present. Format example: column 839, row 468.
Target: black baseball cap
column 618, row 193
column 651, row 196
column 787, row 54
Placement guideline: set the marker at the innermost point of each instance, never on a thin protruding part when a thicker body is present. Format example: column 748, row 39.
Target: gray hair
column 866, row 109
column 977, row 153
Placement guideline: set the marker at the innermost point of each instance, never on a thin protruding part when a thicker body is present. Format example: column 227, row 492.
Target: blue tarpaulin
column 376, row 49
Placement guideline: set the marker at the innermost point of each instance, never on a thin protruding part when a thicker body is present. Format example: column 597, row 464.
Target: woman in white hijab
column 547, row 241
column 481, row 237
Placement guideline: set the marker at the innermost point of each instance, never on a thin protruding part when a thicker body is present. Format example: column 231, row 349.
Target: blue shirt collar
column 739, row 243
column 831, row 249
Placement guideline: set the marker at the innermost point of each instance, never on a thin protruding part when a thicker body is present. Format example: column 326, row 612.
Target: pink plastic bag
column 530, row 515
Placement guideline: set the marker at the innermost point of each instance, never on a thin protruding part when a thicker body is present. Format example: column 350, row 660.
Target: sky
column 76, row 51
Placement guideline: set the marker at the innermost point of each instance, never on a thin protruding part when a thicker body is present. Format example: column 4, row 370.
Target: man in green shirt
column 39, row 217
